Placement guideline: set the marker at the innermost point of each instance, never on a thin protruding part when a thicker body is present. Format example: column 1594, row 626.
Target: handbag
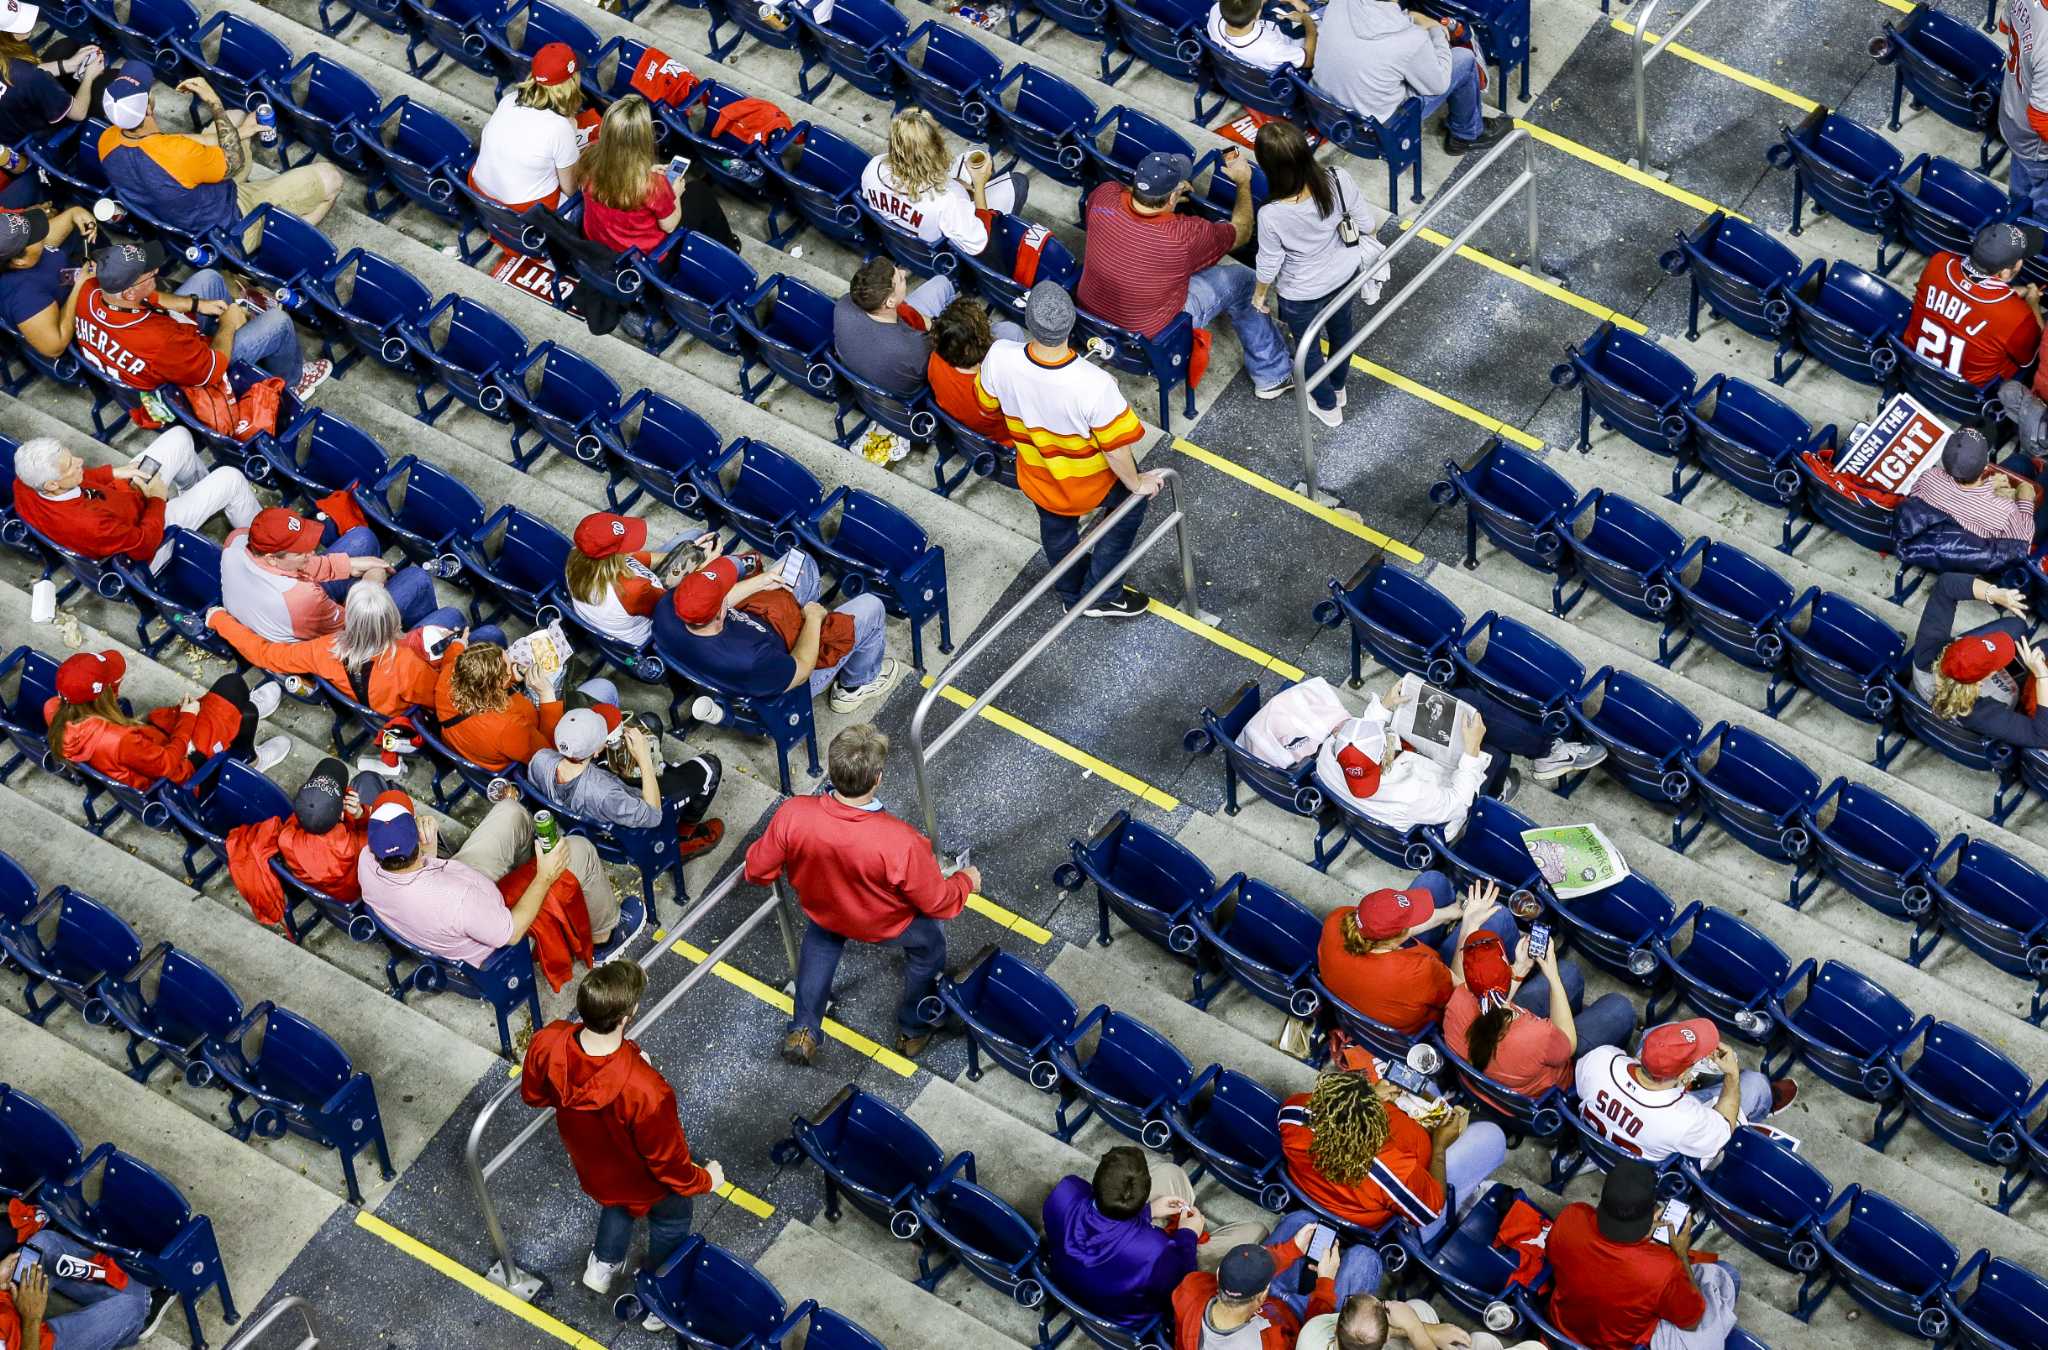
column 1351, row 236
column 1347, row 228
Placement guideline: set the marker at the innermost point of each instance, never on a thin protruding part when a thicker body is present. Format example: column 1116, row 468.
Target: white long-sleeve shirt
column 2023, row 102
column 1414, row 789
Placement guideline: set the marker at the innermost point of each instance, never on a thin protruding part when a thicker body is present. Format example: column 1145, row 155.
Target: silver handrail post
column 270, row 1317
column 1643, row 52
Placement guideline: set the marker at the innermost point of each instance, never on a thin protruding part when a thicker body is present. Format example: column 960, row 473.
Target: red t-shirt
column 1135, row 273
column 1532, row 1057
column 1405, row 988
column 1398, row 1182
column 1980, row 329
column 953, row 391
column 634, row 227
column 1612, row 1295
column 10, row 1324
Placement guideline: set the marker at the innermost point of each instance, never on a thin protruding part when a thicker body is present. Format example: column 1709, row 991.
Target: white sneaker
column 1566, row 757
column 1343, row 397
column 273, row 752
column 846, row 700
column 311, row 376
column 598, row 1275
column 652, row 1322
column 1329, row 417
column 265, row 697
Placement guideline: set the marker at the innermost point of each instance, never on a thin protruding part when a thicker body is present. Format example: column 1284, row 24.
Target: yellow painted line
column 1013, row 921
column 1447, row 403
column 1295, row 499
column 1616, row 167
column 1742, row 77
column 1045, row 740
column 1534, row 282
column 1903, row 6
column 775, row 998
column 475, row 1283
column 1264, row 660
column 746, row 1200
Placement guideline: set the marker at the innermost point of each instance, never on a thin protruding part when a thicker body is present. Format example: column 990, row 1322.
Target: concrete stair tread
column 806, row 1262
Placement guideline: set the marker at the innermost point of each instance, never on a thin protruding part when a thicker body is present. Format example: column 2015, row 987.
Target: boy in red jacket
column 861, row 875
column 617, row 1116
column 1253, row 1298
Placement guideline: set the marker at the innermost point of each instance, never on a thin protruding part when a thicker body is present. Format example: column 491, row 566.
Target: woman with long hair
column 491, row 712
column 87, row 724
column 529, row 150
column 1315, row 233
column 960, row 337
column 33, row 99
column 1989, row 678
column 372, row 659
column 1527, row 1051
column 918, row 187
column 631, row 202
column 610, row 575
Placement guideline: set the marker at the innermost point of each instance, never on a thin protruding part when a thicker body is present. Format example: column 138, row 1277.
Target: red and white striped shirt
column 1977, row 508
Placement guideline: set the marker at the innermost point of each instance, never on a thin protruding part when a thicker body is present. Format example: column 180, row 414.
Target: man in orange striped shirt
column 1075, row 435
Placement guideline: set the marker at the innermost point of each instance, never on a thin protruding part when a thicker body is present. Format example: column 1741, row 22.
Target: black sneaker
column 1128, row 603
column 1490, row 134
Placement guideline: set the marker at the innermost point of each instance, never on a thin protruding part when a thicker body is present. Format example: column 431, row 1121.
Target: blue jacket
column 1121, row 1269
column 1924, row 535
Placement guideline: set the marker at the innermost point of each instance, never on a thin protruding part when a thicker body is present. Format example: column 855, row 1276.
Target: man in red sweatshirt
column 861, row 875
column 100, row 512
column 617, row 1117
column 1254, row 1299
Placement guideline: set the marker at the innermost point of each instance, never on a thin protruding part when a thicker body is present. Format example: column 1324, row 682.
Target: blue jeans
column 268, row 341
column 1227, row 288
column 924, row 956
column 2029, row 185
column 668, row 1223
column 1298, row 315
column 933, row 296
column 859, row 666
column 1464, row 119
column 1359, row 1271
column 448, row 616
column 1468, row 1165
column 105, row 1317
column 412, row 590
column 1756, row 1094
column 1061, row 535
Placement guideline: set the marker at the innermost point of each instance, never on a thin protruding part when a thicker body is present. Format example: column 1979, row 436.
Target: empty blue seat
column 1638, row 389
column 128, row 1209
column 1622, row 551
column 222, row 795
column 1847, row 169
column 1062, row 1314
column 373, row 301
column 1726, row 970
column 505, row 980
column 1844, row 1028
column 1013, row 1013
column 1752, row 441
column 1951, row 68
column 171, row 601
column 1230, row 1123
column 747, row 19
column 869, row 1152
column 1616, row 928
column 1646, row 733
column 233, row 53
column 468, row 347
column 1511, row 672
column 1290, row 787
column 994, row 268
column 659, row 446
column 967, row 1224
column 1516, row 498
column 950, row 75
column 788, row 328
column 854, row 44
column 877, row 549
column 1890, row 1259
column 69, row 943
column 323, row 106
column 733, row 163
column 1997, row 906
column 1405, row 622
column 608, row 76
column 523, row 27
column 569, row 403
column 321, row 454
column 1123, row 1071
column 1166, row 35
column 516, row 556
column 1846, row 317
column 1167, row 356
column 1969, row 1093
column 761, row 492
column 1943, row 205
column 710, row 1299
column 1468, row 1268
column 1123, row 137
column 831, row 1330
column 1150, row 880
column 36, row 1146
column 422, row 506
column 1491, row 849
column 1266, row 941
column 21, row 719
column 1760, row 1192
column 698, row 283
column 143, row 29
column 819, row 174
column 2008, row 1309
column 1842, row 653
column 171, row 1002
column 18, row 893
column 276, row 248
column 1753, row 789
column 1730, row 599
column 1044, row 120
column 1871, row 847
column 1397, row 139
column 420, row 156
column 450, row 28
column 1740, row 270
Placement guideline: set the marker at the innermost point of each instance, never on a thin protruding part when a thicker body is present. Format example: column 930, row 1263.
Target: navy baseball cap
column 119, row 266
column 2003, row 244
column 21, row 231
column 1966, row 455
column 1159, row 173
column 125, row 100
column 1246, row 1270
column 394, row 830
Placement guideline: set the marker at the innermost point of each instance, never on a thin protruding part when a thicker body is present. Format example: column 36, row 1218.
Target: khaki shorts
column 298, row 191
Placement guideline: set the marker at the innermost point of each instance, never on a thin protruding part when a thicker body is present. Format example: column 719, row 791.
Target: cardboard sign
column 1244, row 128
column 1894, row 448
column 531, row 275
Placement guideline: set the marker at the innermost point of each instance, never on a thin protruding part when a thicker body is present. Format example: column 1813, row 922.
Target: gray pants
column 1718, row 1282
column 504, row 840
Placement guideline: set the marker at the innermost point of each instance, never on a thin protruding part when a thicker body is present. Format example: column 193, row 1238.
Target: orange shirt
column 953, row 391
column 496, row 739
column 1405, row 989
column 1398, row 1183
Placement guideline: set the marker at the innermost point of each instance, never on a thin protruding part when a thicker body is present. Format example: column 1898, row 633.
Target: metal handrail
column 1644, row 53
column 1312, row 336
column 922, row 753
column 269, row 1317
column 505, row 1270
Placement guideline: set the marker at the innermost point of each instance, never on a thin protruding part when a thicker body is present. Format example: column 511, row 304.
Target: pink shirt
column 282, row 603
column 444, row 907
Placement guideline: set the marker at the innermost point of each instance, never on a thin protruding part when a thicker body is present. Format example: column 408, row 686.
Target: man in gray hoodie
column 1374, row 54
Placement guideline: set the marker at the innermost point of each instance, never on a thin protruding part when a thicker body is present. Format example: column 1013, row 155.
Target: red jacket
column 160, row 748
column 108, row 516
column 1191, row 1303
column 617, row 1117
column 327, row 861
column 861, row 874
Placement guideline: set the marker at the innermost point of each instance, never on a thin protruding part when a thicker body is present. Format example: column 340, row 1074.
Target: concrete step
column 805, row 1262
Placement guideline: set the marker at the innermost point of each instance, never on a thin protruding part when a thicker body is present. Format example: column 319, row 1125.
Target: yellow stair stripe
column 1237, row 646
column 1532, row 281
column 1014, row 922
column 1743, row 77
column 1616, row 167
column 1045, row 740
column 1299, row 502
column 475, row 1283
column 775, row 998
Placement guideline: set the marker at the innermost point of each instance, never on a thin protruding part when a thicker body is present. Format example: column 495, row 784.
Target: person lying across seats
column 373, row 659
column 103, row 512
column 318, row 842
column 285, row 577
column 108, row 1306
column 1684, row 1092
column 491, row 711
column 87, row 724
column 1989, row 678
column 920, row 188
column 37, row 247
column 581, row 773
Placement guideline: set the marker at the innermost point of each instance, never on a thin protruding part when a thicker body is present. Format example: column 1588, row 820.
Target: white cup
column 42, row 602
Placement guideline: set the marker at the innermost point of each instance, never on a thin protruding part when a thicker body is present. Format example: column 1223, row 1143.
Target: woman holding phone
column 631, row 202
column 1528, row 1051
column 1989, row 678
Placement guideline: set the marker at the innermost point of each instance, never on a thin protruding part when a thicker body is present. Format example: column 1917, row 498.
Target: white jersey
column 1652, row 1124
column 945, row 212
column 2023, row 102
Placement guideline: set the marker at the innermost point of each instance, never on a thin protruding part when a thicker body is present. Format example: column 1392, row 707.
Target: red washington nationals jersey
column 1979, row 328
column 143, row 348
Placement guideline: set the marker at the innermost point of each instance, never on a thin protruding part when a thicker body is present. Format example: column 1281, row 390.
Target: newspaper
column 1575, row 859
column 1431, row 720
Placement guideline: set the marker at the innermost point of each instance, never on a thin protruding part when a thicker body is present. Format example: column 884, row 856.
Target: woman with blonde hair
column 372, row 658
column 630, row 202
column 87, row 724
column 1988, row 679
column 528, row 152
column 918, row 187
column 610, row 576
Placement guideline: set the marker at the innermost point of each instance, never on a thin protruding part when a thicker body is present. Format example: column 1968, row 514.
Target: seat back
column 1727, row 967
column 951, row 76
column 1131, row 1076
column 453, row 28
column 661, row 444
column 1291, row 789
column 568, row 399
column 991, row 1238
column 1276, row 92
column 1844, row 166
column 1614, row 928
column 1511, row 665
column 1739, row 270
column 1491, row 849
column 819, row 171
column 36, row 1146
column 421, row 153
column 526, row 26
column 1756, row 790
column 234, row 54
column 1147, row 878
column 1943, row 205
column 1266, row 938
column 1967, row 1091
column 1645, row 731
column 1996, row 903
column 374, row 301
column 1845, row 1026
column 1166, row 35
column 1045, row 120
column 1846, row 317
column 762, row 492
column 1875, row 849
column 277, row 247
column 1891, row 1260
column 1635, row 386
column 145, row 30
column 1734, row 602
column 788, row 324
column 831, row 1330
column 1514, row 497
column 1396, row 139
column 87, row 943
column 733, row 163
column 1468, row 1267
column 1948, row 735
column 1623, row 551
column 1948, row 66
column 1231, row 1123
column 1123, row 137
column 469, row 347
column 322, row 453
column 423, row 506
column 1013, row 1011
column 518, row 556
column 1750, row 439
column 698, row 282
column 2006, row 1311
column 712, row 1298
column 856, row 41
column 872, row 1153
column 1842, row 653
column 183, row 999
column 324, row 105
column 1405, row 622
column 1767, row 1197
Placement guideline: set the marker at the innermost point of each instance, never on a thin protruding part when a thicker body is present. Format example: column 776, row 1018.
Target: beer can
column 546, row 833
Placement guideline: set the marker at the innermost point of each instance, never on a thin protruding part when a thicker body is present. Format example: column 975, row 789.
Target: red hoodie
column 1191, row 1304
column 861, row 874
column 108, row 516
column 618, row 1120
column 160, row 748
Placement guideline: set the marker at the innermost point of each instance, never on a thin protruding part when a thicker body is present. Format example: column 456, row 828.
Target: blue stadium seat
column 1013, row 1013
column 1623, row 551
column 1891, row 1261
column 877, row 549
column 1760, row 1192
column 233, row 53
column 1945, row 393
column 18, row 893
column 1638, row 389
column 170, row 1001
column 129, row 1210
column 1154, row 1333
column 420, row 156
column 762, row 492
column 306, row 907
column 372, row 301
column 1266, row 941
column 445, row 764
column 1276, row 92
column 2008, row 1309
column 994, row 269
column 869, row 1152
column 468, row 347
column 733, row 163
column 865, row 404
column 1396, row 140
column 819, row 173
column 146, row 29
column 1491, row 849
column 747, row 18
column 787, row 717
column 1846, row 317
column 321, row 454
column 506, row 980
column 1740, row 270
column 967, row 1224
column 1943, row 205
column 1871, row 847
column 1167, row 356
column 523, row 27
column 1646, row 733
column 517, row 558
column 1292, row 789
column 1468, row 1268
column 1732, row 601
column 949, row 75
column 1146, row 877
column 1510, row 671
column 1166, row 35
column 21, row 718
column 831, row 1330
column 976, row 455
column 1970, row 1094
column 1212, row 194
column 1951, row 68
column 221, row 795
column 1752, row 441
column 275, row 247
column 1502, row 27
column 36, row 1147
column 1917, row 722
column 301, row 1082
column 1843, row 1028
column 1616, row 928
column 70, row 943
column 1726, row 970
column 69, row 158
column 518, row 233
column 1406, row 623
column 1230, row 1124
column 434, row 509
column 1848, row 170
column 1131, row 1077
column 854, row 44
column 659, row 447
column 1044, row 120
column 1516, row 498
column 787, row 325
column 1122, row 137
column 698, row 283
column 450, row 28
column 1997, row 906
column 171, row 601
column 608, row 75
column 323, row 107
column 711, row 1300
column 567, row 401
column 1753, row 789
column 1868, row 523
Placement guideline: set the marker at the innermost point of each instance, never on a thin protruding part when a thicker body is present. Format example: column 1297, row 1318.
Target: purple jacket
column 1121, row 1269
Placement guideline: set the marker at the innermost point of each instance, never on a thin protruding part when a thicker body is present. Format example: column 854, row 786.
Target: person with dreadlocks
column 1352, row 1150
column 1526, row 1051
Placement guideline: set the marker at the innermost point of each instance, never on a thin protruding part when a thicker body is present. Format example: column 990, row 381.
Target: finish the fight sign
column 1894, row 448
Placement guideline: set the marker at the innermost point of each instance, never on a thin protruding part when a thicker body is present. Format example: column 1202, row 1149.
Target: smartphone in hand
column 147, row 467
column 1539, row 941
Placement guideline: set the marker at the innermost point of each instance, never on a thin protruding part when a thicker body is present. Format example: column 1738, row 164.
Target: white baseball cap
column 16, row 17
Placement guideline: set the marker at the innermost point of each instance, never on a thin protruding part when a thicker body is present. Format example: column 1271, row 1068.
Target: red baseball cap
column 276, row 530
column 1970, row 659
column 84, row 677
column 1669, row 1050
column 555, row 63
column 1361, row 771
column 603, row 534
column 1390, row 913
column 1487, row 973
column 701, row 595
